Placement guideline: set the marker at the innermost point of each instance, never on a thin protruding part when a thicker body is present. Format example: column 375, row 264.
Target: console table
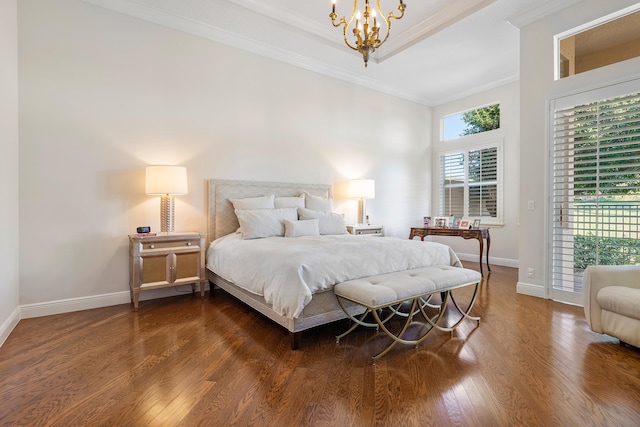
column 472, row 233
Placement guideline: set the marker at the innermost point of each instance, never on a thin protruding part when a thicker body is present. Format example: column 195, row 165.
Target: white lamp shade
column 362, row 188
column 163, row 180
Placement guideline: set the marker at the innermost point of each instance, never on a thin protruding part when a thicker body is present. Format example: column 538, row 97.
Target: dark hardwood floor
column 184, row 362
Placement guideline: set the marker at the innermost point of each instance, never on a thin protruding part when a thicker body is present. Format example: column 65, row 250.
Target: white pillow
column 307, row 227
column 328, row 222
column 317, row 203
column 290, row 202
column 264, row 202
column 259, row 223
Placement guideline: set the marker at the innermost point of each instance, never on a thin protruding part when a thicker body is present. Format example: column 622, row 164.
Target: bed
column 315, row 304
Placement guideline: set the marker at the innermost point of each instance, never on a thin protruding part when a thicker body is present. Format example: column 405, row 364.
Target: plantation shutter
column 595, row 186
column 483, row 182
column 470, row 184
column 452, row 181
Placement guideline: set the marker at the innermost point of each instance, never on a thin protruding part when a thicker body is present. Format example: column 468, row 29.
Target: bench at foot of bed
column 387, row 293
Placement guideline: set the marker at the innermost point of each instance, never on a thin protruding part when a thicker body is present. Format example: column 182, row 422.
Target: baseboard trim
column 49, row 308
column 73, row 304
column 9, row 325
column 505, row 262
column 531, row 290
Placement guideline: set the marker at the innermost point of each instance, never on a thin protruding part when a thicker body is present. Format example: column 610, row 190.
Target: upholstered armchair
column 612, row 301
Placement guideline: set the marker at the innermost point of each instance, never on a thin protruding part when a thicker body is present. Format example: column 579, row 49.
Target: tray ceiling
column 440, row 51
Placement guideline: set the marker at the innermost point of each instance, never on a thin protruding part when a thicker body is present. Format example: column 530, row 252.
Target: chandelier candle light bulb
column 366, row 35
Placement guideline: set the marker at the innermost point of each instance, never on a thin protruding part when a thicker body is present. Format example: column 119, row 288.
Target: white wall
column 537, row 87
column 102, row 95
column 9, row 222
column 504, row 239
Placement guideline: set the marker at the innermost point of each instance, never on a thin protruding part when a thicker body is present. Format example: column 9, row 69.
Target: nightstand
column 365, row 230
column 165, row 260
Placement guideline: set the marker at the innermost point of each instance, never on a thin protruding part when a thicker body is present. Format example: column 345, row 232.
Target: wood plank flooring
column 182, row 361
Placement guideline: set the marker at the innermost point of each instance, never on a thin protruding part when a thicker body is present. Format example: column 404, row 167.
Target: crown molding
column 435, row 23
column 210, row 32
column 539, row 12
column 480, row 89
column 269, row 9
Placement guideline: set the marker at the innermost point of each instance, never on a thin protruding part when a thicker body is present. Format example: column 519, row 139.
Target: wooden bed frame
column 222, row 220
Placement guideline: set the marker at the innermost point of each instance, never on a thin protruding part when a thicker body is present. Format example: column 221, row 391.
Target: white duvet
column 288, row 271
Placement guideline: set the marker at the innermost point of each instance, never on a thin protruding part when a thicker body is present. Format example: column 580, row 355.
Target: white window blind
column 470, row 184
column 595, row 187
column 452, row 179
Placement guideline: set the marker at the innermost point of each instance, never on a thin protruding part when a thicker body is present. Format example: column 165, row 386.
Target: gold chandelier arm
column 401, row 8
column 333, row 17
column 345, row 25
column 386, row 22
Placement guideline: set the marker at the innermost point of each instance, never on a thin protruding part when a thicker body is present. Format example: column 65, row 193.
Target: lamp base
column 360, row 218
column 167, row 213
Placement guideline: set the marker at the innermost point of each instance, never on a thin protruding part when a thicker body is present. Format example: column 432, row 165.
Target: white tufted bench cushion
column 387, row 289
column 392, row 289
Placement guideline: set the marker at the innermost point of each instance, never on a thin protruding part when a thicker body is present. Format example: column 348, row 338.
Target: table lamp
column 362, row 189
column 166, row 181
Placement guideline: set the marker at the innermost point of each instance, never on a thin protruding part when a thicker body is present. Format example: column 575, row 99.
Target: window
column 595, row 185
column 470, row 183
column 613, row 38
column 470, row 122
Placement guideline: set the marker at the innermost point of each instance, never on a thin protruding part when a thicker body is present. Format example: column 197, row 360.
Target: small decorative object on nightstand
column 164, row 260
column 365, row 230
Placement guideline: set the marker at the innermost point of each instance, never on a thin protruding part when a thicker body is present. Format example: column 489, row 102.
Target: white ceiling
column 440, row 51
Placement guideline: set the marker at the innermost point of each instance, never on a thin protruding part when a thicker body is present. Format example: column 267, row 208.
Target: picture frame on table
column 427, row 221
column 455, row 223
column 476, row 223
column 464, row 224
column 441, row 221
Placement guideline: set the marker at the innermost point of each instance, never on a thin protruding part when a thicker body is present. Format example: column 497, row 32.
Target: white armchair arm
column 598, row 277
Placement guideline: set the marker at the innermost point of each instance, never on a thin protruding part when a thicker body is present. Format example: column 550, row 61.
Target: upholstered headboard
column 222, row 218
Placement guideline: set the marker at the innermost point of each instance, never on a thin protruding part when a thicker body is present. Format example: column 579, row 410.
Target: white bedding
column 288, row 271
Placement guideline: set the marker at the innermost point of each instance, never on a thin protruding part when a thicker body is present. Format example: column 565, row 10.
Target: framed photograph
column 464, row 223
column 455, row 223
column 476, row 223
column 427, row 221
column 441, row 221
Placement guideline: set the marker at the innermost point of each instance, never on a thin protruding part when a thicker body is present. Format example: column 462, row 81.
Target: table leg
column 488, row 246
column 481, row 248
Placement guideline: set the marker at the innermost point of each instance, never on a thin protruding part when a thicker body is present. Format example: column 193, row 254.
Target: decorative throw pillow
column 290, row 202
column 264, row 202
column 259, row 223
column 328, row 222
column 317, row 203
column 306, row 227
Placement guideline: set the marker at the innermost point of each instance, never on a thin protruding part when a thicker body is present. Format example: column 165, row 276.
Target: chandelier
column 366, row 30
